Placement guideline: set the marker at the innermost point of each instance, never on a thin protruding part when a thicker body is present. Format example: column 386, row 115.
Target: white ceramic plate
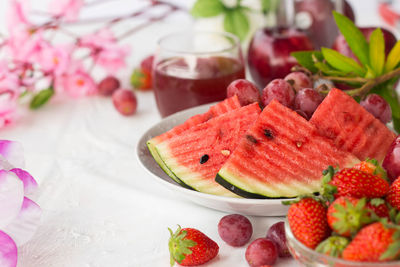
column 257, row 207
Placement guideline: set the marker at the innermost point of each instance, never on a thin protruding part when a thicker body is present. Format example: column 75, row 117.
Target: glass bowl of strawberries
column 311, row 258
column 353, row 221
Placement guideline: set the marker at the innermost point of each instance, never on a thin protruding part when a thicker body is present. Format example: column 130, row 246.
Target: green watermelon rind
column 201, row 185
column 153, row 151
column 244, row 189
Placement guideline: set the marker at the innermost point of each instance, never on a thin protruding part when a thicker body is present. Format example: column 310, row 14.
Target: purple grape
column 246, row 91
column 279, row 90
column 307, row 100
column 378, row 107
column 108, row 85
column 391, row 163
column 261, row 251
column 298, row 80
column 235, row 229
column 276, row 233
column 125, row 101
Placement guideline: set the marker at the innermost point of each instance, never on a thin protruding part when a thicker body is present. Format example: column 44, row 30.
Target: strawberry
column 141, row 80
column 189, row 247
column 346, row 215
column 307, row 220
column 379, row 207
column 356, row 183
column 141, row 77
column 371, row 166
column 393, row 196
column 375, row 242
column 333, row 246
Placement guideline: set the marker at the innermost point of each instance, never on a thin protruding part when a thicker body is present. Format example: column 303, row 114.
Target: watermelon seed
column 251, row 139
column 299, row 144
column 204, row 158
column 268, row 134
column 225, row 152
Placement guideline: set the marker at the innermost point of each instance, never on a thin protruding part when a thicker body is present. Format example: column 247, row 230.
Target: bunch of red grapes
column 299, row 92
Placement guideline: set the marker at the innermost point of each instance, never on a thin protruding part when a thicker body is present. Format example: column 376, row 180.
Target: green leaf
column 41, row 98
column 308, row 59
column 328, row 70
column 207, row 8
column 341, row 62
column 236, row 22
column 354, row 37
column 377, row 51
column 393, row 58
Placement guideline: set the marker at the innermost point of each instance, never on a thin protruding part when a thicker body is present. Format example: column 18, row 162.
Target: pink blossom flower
column 16, row 16
column 54, row 58
column 9, row 93
column 67, row 9
column 76, row 83
column 24, row 45
column 105, row 49
column 20, row 216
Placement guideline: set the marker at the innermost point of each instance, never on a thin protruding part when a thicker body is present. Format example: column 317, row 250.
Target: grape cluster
column 236, row 230
column 300, row 92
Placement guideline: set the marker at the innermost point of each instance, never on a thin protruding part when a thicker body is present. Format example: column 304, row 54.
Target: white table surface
column 100, row 208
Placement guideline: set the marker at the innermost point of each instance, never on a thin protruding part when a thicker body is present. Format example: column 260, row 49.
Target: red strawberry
column 141, row 80
column 355, row 183
column 346, row 215
column 375, row 242
column 371, row 166
column 393, row 196
column 141, row 77
column 307, row 220
column 190, row 247
column 379, row 207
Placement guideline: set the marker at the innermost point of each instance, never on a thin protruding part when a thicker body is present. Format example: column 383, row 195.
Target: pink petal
column 30, row 183
column 11, row 196
column 8, row 251
column 12, row 152
column 25, row 225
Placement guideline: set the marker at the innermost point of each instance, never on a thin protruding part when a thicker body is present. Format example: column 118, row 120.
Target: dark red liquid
column 269, row 53
column 180, row 84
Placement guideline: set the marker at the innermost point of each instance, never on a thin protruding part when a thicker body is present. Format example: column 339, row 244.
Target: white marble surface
column 100, row 207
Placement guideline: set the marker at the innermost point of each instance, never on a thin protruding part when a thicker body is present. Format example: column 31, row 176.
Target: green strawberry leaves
column 342, row 63
column 393, row 59
column 178, row 246
column 354, row 37
column 377, row 51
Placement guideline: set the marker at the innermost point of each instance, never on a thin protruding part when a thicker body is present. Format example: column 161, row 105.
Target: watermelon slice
column 196, row 155
column 340, row 118
column 222, row 107
column 281, row 155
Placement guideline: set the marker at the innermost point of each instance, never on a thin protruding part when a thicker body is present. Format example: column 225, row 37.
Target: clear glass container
column 310, row 258
column 195, row 68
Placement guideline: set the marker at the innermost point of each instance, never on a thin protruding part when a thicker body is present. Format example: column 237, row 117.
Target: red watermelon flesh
column 282, row 155
column 222, row 107
column 196, row 155
column 340, row 118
